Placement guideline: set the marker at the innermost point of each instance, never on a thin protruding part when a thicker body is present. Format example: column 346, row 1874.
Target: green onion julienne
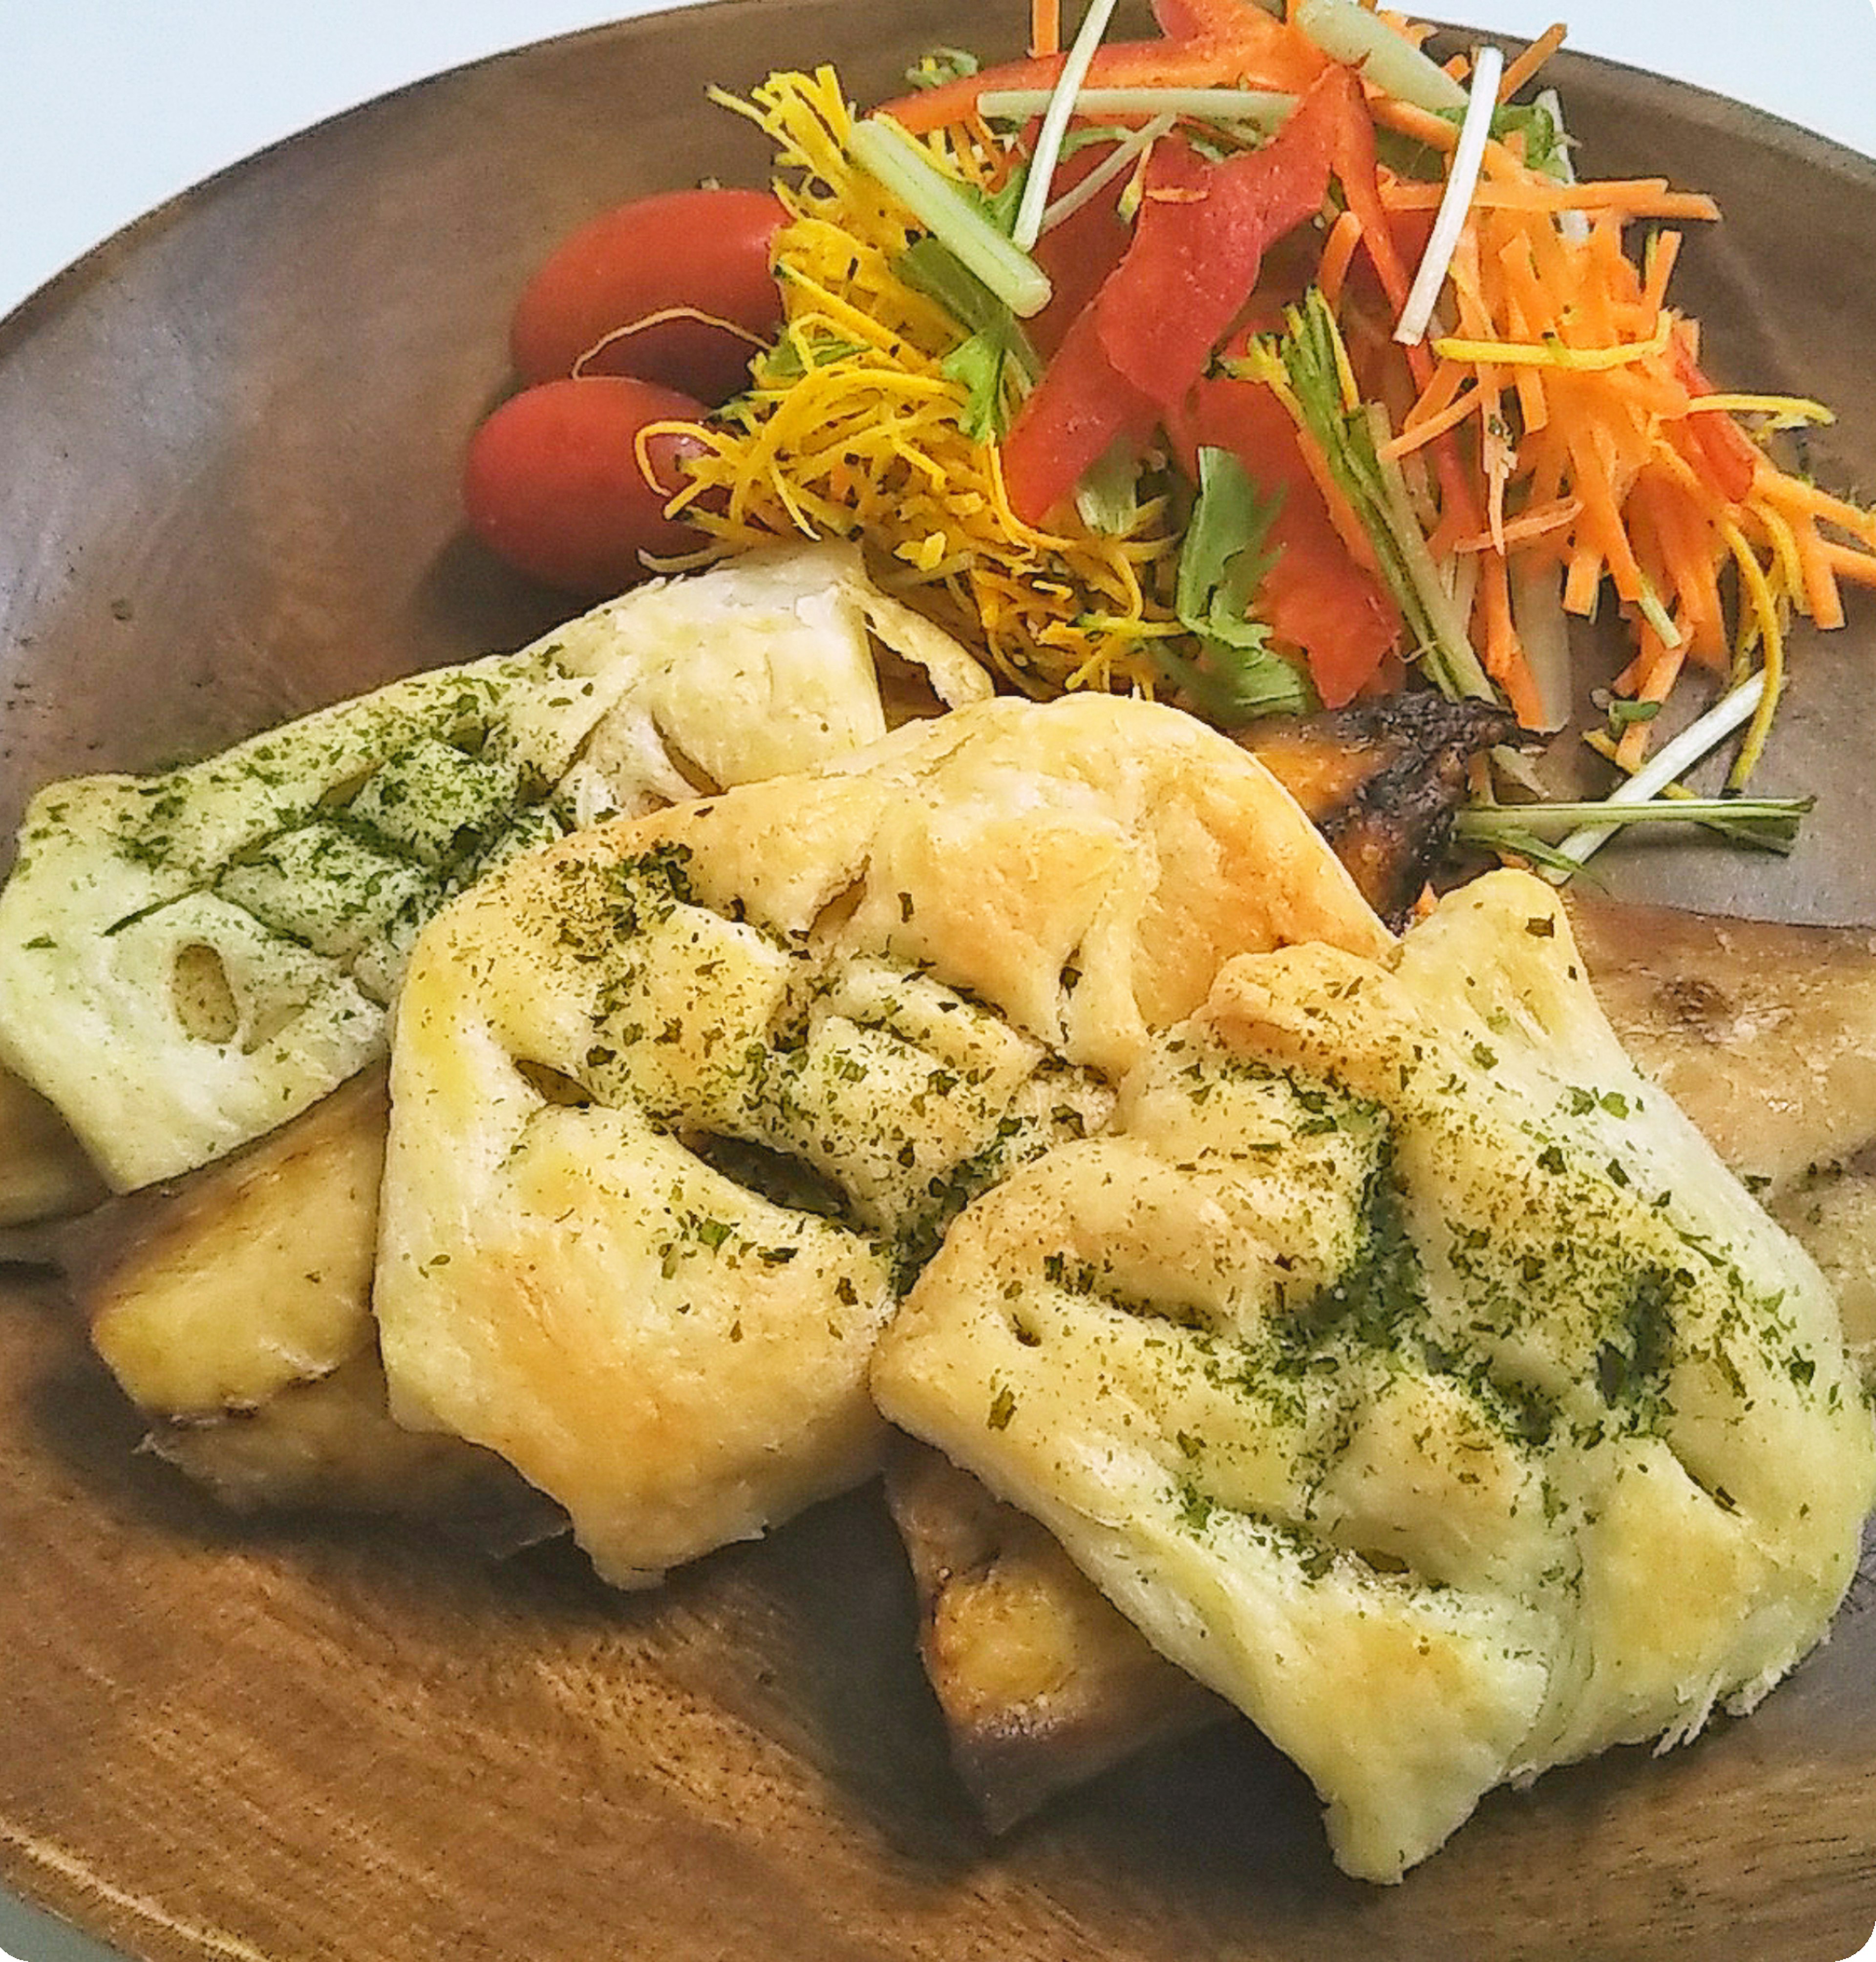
column 1028, row 227
column 885, row 153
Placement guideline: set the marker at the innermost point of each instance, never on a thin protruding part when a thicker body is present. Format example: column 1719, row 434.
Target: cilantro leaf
column 995, row 362
column 1238, row 674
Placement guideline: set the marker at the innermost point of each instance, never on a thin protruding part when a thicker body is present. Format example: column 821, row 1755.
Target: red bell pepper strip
column 1186, row 276
column 1315, row 597
column 1207, row 20
column 1717, row 441
column 1272, row 56
column 1198, row 243
column 1079, row 252
column 1357, row 173
column 1088, row 406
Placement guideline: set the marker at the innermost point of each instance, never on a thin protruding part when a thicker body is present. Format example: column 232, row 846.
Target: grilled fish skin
column 1382, row 779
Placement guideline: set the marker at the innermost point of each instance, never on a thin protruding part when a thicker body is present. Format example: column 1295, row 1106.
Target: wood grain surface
column 232, row 436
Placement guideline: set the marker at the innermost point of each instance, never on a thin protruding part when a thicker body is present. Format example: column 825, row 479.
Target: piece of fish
column 1382, row 780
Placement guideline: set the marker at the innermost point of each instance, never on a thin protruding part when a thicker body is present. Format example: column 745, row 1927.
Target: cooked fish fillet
column 188, row 960
column 328, row 1444
column 1765, row 1034
column 1339, row 1358
column 883, row 984
column 233, row 1306
column 213, row 1294
column 1042, row 1683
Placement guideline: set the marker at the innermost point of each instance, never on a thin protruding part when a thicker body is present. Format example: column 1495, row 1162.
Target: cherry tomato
column 704, row 250
column 552, row 482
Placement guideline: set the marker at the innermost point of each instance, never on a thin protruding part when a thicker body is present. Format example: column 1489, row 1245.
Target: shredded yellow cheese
column 1553, row 352
column 851, row 429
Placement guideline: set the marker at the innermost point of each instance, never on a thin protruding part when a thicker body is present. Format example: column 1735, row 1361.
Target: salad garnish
column 1046, row 323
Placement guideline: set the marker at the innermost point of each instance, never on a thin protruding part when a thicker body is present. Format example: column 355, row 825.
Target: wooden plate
column 231, row 437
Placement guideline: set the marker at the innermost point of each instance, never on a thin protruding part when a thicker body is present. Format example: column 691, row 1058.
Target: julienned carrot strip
column 1420, row 124
column 1045, row 27
column 1682, row 555
column 1848, row 562
column 1533, row 522
column 1655, row 660
column 1712, row 504
column 1695, row 570
column 1527, row 379
column 1520, row 70
column 1641, row 198
column 1662, row 250
column 1660, row 666
column 1794, row 493
column 1338, row 250
column 1822, row 599
column 1495, row 448
column 1500, row 649
column 1425, row 424
column 1583, row 581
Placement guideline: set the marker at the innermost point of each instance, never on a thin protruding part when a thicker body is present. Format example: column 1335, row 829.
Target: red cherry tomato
column 708, row 250
column 552, row 484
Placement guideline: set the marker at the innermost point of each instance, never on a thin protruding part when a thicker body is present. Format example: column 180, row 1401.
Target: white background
column 108, row 106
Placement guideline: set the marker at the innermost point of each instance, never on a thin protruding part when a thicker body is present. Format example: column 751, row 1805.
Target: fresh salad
column 1267, row 365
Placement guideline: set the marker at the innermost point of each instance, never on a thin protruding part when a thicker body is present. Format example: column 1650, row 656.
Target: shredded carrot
column 1520, row 70
column 1658, row 267
column 1500, row 649
column 1535, row 522
column 1846, row 562
column 1428, row 423
column 1659, row 668
column 1338, row 252
column 1639, row 197
column 1406, row 121
column 1817, row 575
column 1045, row 27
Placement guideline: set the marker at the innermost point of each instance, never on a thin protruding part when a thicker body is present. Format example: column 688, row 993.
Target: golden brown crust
column 902, row 974
column 216, row 1291
column 1042, row 1684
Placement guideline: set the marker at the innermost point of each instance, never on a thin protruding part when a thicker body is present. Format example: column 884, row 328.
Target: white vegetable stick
column 1461, row 181
column 1263, row 106
column 1670, row 762
column 1125, row 154
column 1387, row 58
column 1048, row 142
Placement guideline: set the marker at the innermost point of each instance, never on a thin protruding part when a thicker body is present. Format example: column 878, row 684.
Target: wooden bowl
column 232, row 436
